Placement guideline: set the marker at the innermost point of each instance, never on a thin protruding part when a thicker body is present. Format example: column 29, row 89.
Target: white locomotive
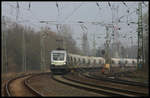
column 59, row 62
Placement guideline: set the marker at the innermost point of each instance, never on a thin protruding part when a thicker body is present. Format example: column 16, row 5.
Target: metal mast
column 42, row 59
column 24, row 52
column 41, row 40
column 115, row 31
column 107, row 45
column 140, row 56
column 4, row 48
column 43, row 55
column 94, row 44
column 85, row 44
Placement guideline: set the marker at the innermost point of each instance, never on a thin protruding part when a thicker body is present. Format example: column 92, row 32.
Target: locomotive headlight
column 58, row 63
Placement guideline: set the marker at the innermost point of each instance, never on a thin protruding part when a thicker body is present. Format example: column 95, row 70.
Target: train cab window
column 58, row 56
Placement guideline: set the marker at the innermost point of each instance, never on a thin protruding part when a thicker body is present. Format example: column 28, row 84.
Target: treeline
column 14, row 46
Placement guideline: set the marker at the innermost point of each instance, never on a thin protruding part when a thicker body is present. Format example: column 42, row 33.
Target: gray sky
column 75, row 11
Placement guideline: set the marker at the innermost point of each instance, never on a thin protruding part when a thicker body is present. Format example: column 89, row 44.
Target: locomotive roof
column 58, row 51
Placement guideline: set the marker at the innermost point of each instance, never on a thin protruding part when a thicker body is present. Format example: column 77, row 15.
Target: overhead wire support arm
column 109, row 5
column 29, row 6
column 144, row 4
column 77, row 22
column 124, row 3
column 98, row 5
column 73, row 12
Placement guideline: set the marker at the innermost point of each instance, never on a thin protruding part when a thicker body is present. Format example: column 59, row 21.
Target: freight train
column 61, row 61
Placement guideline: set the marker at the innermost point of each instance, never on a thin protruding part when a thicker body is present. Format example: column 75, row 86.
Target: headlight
column 58, row 63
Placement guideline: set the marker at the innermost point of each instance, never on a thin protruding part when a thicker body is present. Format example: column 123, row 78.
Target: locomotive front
column 58, row 61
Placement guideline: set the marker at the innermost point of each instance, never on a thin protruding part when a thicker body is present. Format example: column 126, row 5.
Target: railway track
column 94, row 88
column 127, row 74
column 19, row 86
column 50, row 85
column 62, row 80
column 117, row 80
column 110, row 87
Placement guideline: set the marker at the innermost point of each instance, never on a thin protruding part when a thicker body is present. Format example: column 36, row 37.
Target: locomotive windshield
column 58, row 56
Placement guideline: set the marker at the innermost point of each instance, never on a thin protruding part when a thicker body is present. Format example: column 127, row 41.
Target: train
column 59, row 61
column 62, row 61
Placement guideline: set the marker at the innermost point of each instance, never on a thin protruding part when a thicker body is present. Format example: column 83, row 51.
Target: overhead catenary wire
column 144, row 4
column 58, row 9
column 17, row 11
column 23, row 41
column 29, row 6
column 124, row 3
column 34, row 16
column 98, row 6
column 24, row 67
column 110, row 6
column 23, row 21
column 58, row 26
column 72, row 12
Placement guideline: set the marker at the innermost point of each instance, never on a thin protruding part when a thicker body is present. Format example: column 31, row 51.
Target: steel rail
column 91, row 89
column 26, row 84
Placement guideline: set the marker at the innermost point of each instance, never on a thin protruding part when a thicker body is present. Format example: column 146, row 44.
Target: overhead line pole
column 24, row 51
column 140, row 54
column 43, row 37
column 4, row 48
